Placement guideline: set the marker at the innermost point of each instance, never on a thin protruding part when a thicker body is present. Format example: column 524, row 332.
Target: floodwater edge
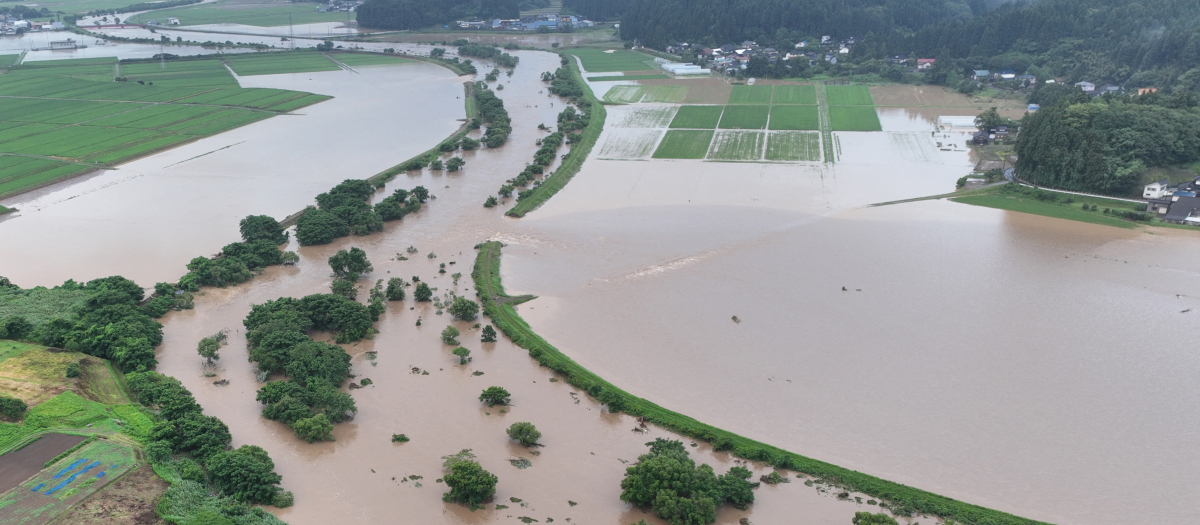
column 903, row 500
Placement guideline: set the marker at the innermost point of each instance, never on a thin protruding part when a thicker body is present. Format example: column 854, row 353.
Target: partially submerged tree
column 247, row 474
column 350, row 264
column 422, row 293
column 866, row 518
column 489, row 335
column 208, row 348
column 316, row 428
column 464, row 309
column 495, row 395
column 525, row 433
column 463, row 355
column 450, row 335
column 262, row 228
column 469, row 483
column 395, row 289
column 668, row 482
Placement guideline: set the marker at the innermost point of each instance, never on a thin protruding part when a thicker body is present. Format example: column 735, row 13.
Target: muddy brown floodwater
column 1034, row 365
column 365, row 477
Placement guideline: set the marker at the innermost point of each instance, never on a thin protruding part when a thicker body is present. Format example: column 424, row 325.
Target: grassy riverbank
column 1060, row 206
column 574, row 160
column 902, row 499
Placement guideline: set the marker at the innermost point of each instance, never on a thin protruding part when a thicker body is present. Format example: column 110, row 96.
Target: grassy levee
column 902, row 499
column 574, row 160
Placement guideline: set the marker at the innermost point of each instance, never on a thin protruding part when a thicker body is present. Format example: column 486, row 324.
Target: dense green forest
column 1103, row 145
column 416, row 14
column 1134, row 44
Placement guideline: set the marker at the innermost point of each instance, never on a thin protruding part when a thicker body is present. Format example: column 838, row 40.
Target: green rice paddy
column 364, row 59
column 697, row 117
column 795, row 95
column 277, row 63
column 625, row 94
column 793, row 146
column 745, row 117
column 750, row 95
column 64, row 118
column 600, row 61
column 666, row 94
column 854, row 118
column 262, row 14
column 848, row 96
column 795, row 118
column 8, row 60
column 737, row 145
column 684, row 144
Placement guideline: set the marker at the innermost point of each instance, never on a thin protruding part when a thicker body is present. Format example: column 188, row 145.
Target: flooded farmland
column 989, row 356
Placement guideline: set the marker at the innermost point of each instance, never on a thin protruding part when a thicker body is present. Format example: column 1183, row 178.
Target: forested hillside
column 1103, row 145
column 1146, row 43
column 416, row 14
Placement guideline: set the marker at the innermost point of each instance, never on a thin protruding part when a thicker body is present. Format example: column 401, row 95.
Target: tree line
column 416, row 14
column 1151, row 43
column 1104, row 144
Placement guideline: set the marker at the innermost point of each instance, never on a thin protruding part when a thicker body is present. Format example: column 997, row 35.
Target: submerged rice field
column 737, row 145
column 64, row 118
column 630, row 144
column 625, row 94
column 648, row 118
column 793, row 146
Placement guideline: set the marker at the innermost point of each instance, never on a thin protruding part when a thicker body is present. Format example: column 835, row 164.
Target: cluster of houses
column 345, row 6
column 549, row 22
column 11, row 25
column 731, row 58
column 1177, row 203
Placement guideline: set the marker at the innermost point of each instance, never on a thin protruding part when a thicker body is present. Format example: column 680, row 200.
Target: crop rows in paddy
column 802, row 94
column 62, row 118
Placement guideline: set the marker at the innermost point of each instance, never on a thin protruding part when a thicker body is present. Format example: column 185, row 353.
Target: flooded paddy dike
column 988, row 356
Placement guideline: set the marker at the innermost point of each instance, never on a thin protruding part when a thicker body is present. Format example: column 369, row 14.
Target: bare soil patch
column 128, row 501
column 18, row 466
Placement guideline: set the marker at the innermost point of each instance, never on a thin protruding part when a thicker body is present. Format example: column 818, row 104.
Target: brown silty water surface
column 994, row 357
column 586, row 449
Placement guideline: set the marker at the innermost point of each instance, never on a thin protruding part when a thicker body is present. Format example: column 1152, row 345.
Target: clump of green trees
column 488, row 51
column 346, row 210
column 209, row 347
column 492, row 113
column 469, row 483
column 667, row 481
column 1105, row 144
column 261, row 237
column 463, row 308
column 245, row 474
column 276, row 332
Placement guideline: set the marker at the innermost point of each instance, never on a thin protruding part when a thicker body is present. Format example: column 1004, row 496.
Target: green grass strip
column 902, row 499
column 1045, row 209
column 574, row 160
column 627, row 77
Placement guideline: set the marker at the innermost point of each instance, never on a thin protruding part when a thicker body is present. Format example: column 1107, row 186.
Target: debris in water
column 222, row 382
column 521, row 463
column 736, row 320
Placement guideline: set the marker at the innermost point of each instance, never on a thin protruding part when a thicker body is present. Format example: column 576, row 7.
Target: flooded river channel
column 1034, row 365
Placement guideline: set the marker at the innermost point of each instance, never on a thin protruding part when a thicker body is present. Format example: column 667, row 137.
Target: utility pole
column 291, row 32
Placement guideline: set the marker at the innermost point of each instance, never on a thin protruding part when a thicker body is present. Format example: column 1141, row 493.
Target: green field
column 666, row 94
column 629, row 77
column 750, row 95
column 598, row 61
column 848, row 96
column 33, row 502
column 625, row 94
column 8, row 60
column 745, row 117
column 854, row 118
column 793, row 146
column 63, row 118
column 277, row 63
column 794, row 118
column 737, row 145
column 262, row 14
column 795, row 95
column 684, row 144
column 363, row 59
column 1018, row 199
column 697, row 117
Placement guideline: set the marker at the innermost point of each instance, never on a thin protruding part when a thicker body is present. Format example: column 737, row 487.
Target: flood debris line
column 900, row 499
column 569, row 84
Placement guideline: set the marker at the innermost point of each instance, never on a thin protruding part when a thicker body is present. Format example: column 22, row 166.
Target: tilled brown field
column 18, row 466
column 128, row 501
